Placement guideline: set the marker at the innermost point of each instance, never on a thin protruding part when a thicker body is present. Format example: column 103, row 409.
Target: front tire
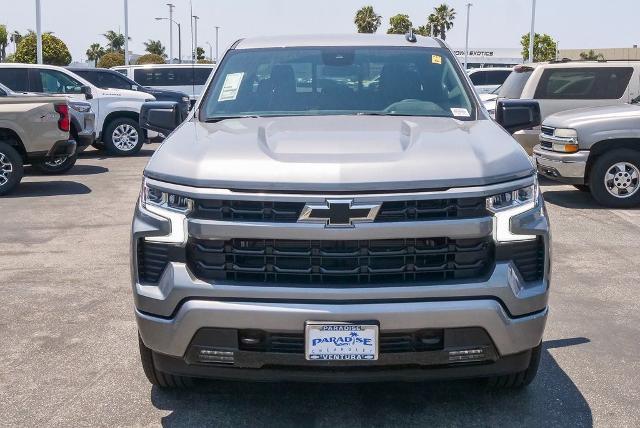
column 11, row 169
column 155, row 376
column 519, row 379
column 614, row 180
column 56, row 166
column 123, row 137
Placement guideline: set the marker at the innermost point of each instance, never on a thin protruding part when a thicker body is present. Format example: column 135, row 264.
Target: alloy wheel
column 621, row 179
column 125, row 137
column 6, row 168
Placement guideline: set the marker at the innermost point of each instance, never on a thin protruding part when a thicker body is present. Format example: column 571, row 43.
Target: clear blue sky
column 494, row 23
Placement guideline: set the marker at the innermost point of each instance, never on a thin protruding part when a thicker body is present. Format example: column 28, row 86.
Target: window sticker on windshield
column 459, row 112
column 230, row 87
column 436, row 59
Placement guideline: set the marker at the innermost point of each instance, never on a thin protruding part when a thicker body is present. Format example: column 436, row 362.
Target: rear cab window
column 585, row 83
column 15, row 79
column 166, row 76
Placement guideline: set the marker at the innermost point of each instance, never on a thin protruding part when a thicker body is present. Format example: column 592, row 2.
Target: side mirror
column 516, row 115
column 161, row 116
column 86, row 90
column 134, row 87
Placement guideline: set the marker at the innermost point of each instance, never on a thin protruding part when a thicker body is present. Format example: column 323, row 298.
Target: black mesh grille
column 293, row 343
column 288, row 212
column 152, row 259
column 300, row 262
column 547, row 130
column 528, row 256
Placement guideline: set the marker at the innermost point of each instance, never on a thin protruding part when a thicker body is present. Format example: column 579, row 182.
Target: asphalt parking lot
column 69, row 350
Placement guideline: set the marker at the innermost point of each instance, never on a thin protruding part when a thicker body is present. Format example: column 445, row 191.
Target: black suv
column 105, row 78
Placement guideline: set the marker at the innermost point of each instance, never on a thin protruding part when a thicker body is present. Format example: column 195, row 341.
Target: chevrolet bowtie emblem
column 339, row 213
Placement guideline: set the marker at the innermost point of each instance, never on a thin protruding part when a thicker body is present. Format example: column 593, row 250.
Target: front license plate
column 340, row 341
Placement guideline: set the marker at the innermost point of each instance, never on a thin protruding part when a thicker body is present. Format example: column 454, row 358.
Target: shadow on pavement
column 551, row 400
column 101, row 155
column 48, row 188
column 571, row 199
column 76, row 170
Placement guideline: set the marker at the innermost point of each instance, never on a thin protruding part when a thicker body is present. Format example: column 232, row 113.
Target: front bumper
column 565, row 167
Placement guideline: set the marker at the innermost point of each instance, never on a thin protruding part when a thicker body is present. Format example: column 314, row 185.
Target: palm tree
column 115, row 41
column 94, row 53
column 441, row 20
column 155, row 47
column 367, row 20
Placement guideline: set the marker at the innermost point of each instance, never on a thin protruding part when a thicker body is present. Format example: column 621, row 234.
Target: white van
column 187, row 78
column 561, row 86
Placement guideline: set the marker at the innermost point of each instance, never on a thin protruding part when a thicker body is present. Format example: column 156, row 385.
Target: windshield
column 334, row 81
column 514, row 85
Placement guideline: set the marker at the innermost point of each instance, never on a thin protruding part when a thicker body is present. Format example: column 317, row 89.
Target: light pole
column 217, row 28
column 532, row 33
column 38, row 32
column 210, row 51
column 171, row 22
column 126, row 32
column 466, row 43
column 171, row 6
column 195, row 42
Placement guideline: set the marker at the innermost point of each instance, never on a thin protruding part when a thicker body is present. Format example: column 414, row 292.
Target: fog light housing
column 216, row 356
column 467, row 355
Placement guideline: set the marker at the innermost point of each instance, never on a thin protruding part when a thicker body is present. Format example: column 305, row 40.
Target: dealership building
column 490, row 57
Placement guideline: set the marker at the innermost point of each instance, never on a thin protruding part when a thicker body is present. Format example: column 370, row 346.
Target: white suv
column 487, row 80
column 564, row 86
column 117, row 110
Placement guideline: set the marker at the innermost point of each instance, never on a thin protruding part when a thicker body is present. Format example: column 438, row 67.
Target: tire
column 56, row 166
column 123, row 137
column 621, row 168
column 582, row 187
column 158, row 378
column 519, row 379
column 11, row 169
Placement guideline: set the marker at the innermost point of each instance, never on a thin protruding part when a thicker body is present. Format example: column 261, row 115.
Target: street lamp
column 38, row 32
column 126, row 32
column 466, row 44
column 195, row 48
column 171, row 6
column 532, row 34
column 179, row 38
column 217, row 28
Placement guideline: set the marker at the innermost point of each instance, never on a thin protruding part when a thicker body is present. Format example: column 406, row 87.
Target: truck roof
column 336, row 40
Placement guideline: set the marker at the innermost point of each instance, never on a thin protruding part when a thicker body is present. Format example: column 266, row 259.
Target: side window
column 478, row 78
column 497, row 77
column 56, row 82
column 111, row 80
column 15, row 79
column 596, row 83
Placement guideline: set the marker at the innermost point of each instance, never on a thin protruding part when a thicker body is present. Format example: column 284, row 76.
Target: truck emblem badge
column 339, row 213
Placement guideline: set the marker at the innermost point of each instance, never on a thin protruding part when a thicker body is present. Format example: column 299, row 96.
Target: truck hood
column 577, row 118
column 123, row 93
column 339, row 153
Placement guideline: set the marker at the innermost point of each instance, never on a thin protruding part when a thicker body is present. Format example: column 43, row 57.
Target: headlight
column 171, row 206
column 81, row 107
column 565, row 140
column 506, row 205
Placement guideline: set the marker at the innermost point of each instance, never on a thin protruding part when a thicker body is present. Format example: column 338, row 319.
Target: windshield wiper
column 215, row 119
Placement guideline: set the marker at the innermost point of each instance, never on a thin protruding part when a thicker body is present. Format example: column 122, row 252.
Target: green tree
column 441, row 20
column 4, row 41
column 423, row 30
column 115, row 41
column 367, row 20
column 199, row 53
column 111, row 59
column 155, row 47
column 399, row 24
column 544, row 47
column 54, row 50
column 150, row 58
column 591, row 55
column 94, row 53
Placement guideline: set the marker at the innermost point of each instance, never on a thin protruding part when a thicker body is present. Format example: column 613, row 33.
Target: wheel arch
column 604, row 146
column 118, row 115
column 12, row 138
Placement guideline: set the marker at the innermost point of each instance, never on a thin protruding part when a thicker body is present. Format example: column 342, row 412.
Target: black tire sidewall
column 108, row 137
column 60, row 169
column 18, row 171
column 600, row 168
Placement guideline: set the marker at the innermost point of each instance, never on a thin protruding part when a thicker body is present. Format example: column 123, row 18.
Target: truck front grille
column 288, row 212
column 302, row 262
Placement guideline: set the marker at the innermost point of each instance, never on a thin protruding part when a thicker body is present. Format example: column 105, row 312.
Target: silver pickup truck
column 596, row 149
column 34, row 129
column 340, row 208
